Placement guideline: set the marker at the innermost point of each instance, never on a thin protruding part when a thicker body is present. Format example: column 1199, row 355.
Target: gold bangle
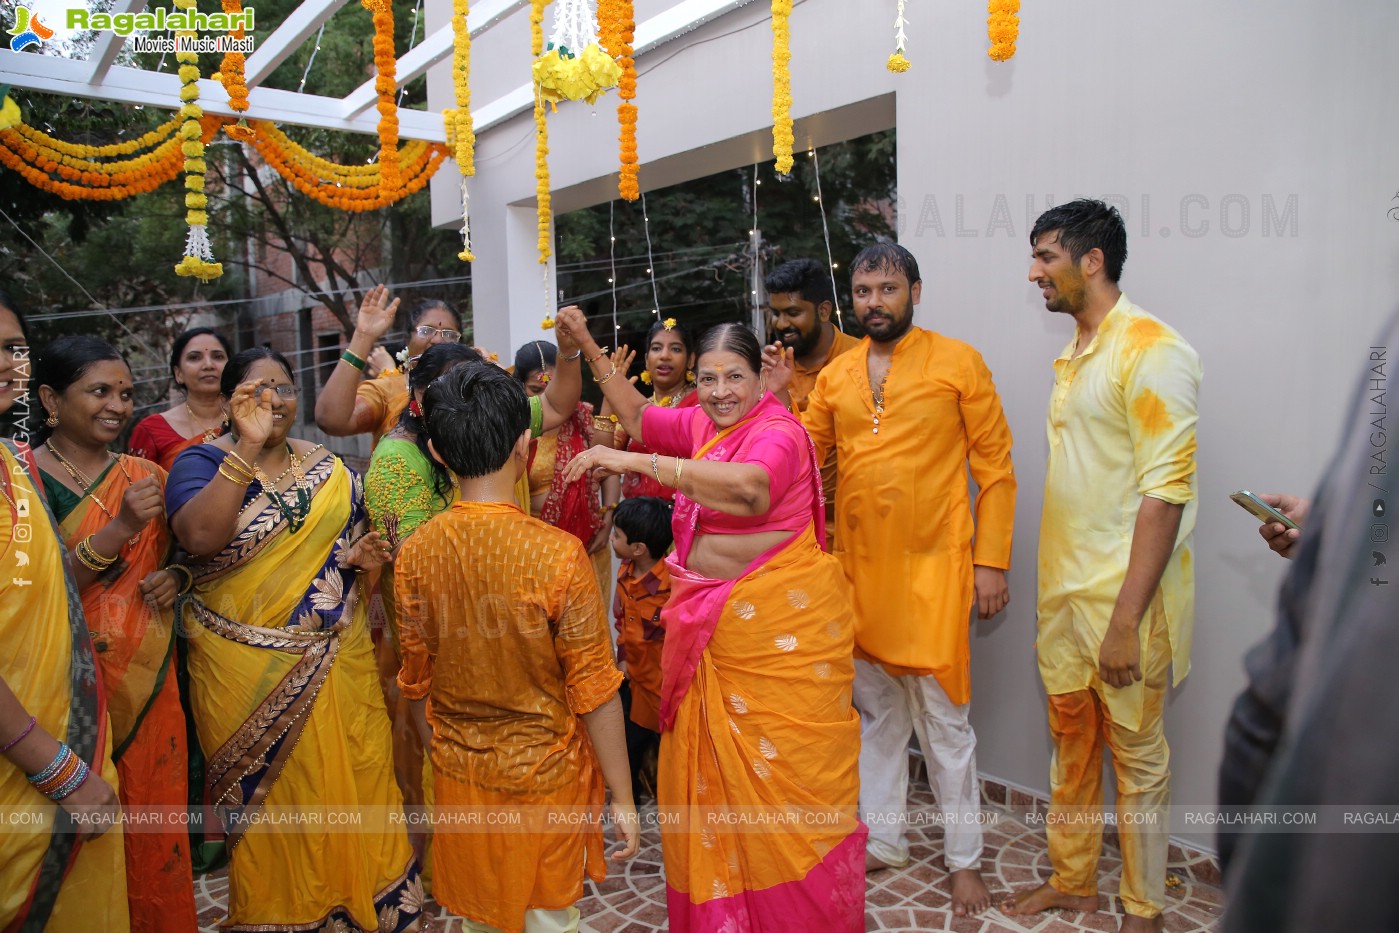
column 655, row 471
column 89, row 557
column 600, row 354
column 602, row 424
column 188, row 575
column 235, row 480
column 240, row 463
column 679, row 466
column 603, row 380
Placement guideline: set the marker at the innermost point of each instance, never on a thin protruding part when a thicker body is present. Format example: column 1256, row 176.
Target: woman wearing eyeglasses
column 282, row 673
column 111, row 516
column 350, row 404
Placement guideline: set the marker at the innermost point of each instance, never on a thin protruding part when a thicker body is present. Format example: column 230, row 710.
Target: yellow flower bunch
column 898, row 64
column 9, row 113
column 541, row 138
column 561, row 75
column 1002, row 28
column 782, row 138
column 198, row 260
column 461, row 134
column 669, row 323
column 146, row 141
column 546, row 324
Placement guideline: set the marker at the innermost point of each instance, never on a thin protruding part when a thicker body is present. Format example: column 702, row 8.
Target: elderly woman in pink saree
column 758, row 781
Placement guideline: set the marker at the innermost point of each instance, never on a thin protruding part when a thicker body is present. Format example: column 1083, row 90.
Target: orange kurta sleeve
column 581, row 640
column 417, row 646
column 988, row 456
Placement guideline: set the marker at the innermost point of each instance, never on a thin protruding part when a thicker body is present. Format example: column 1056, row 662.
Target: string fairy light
column 650, row 261
column 826, row 232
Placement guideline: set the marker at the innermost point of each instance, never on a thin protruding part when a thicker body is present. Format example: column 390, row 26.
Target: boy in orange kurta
column 908, row 412
column 503, row 629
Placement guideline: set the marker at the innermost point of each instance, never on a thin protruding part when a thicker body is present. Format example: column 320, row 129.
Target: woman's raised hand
column 376, row 312
column 622, row 358
column 777, row 367
column 250, row 410
column 572, row 329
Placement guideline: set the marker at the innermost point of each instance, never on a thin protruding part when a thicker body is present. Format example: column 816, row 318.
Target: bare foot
column 1046, row 897
column 1135, row 924
column 874, row 864
column 969, row 894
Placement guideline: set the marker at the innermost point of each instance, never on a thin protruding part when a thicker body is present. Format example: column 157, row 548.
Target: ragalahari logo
column 28, row 30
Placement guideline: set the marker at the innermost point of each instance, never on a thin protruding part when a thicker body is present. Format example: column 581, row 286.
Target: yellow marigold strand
column 198, row 258
column 782, row 138
column 541, row 137
column 1002, row 28
column 460, row 130
column 385, row 67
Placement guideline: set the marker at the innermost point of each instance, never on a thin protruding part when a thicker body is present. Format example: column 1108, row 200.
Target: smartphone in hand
column 1261, row 510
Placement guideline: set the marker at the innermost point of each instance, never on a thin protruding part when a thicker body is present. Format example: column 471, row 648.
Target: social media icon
column 22, row 558
column 22, row 534
column 1379, row 533
column 22, row 508
column 1378, row 508
column 1376, row 581
column 1378, row 558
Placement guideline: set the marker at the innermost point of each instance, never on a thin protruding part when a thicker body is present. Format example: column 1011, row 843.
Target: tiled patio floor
column 632, row 899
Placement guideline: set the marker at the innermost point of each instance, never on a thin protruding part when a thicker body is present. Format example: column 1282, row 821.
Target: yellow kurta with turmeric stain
column 904, row 523
column 1121, row 426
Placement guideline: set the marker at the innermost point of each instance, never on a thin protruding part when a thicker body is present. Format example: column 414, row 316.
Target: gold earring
column 52, row 420
column 689, row 375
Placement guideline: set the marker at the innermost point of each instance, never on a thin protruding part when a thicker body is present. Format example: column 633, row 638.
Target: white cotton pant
column 892, row 709
column 536, row 921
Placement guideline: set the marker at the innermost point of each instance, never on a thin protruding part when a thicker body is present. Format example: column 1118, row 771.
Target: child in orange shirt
column 502, row 626
column 641, row 537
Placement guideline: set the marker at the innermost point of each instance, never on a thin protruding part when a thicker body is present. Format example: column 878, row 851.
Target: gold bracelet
column 89, row 557
column 655, row 471
column 603, row 380
column 600, row 354
column 602, row 424
column 241, row 464
column 679, row 466
column 235, row 480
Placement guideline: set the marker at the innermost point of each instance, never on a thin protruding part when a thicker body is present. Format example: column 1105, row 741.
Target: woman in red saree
column 758, row 783
column 111, row 517
column 197, row 359
column 582, row 507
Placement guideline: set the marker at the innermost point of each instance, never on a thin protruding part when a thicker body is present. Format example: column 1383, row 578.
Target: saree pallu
column 759, row 779
column 293, row 725
column 154, row 439
column 574, row 507
column 135, row 650
column 48, row 881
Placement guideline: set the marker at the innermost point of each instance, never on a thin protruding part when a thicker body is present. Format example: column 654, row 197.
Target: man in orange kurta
column 502, row 629
column 908, row 412
column 801, row 297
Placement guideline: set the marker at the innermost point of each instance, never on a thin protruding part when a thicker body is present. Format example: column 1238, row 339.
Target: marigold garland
column 541, row 137
column 346, row 187
column 1002, row 28
column 198, row 260
column 385, row 68
column 231, row 75
column 782, row 138
column 461, row 133
column 37, row 157
column 617, row 31
column 897, row 63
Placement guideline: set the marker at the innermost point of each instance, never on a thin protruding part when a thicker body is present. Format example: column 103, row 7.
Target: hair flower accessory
column 668, row 323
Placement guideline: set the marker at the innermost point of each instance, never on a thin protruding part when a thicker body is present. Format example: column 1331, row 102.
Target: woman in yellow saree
column 758, row 780
column 111, row 517
column 283, row 685
column 51, row 878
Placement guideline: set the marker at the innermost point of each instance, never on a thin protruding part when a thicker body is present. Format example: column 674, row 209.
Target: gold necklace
column 671, row 401
column 879, row 401
column 210, row 434
column 85, row 484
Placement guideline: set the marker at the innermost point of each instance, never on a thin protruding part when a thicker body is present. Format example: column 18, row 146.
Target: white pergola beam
column 417, row 60
column 108, row 44
column 656, row 31
column 158, row 89
column 308, row 16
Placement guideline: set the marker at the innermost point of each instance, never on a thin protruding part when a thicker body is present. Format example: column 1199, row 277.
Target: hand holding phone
column 1261, row 510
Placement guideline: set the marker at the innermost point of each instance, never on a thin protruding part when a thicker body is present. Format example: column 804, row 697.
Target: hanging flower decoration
column 79, row 172
column 1002, row 28
column 198, row 260
column 574, row 66
column 346, row 187
column 231, row 75
column 385, row 67
column 541, row 137
column 782, row 138
column 9, row 110
column 461, row 134
column 546, row 324
column 897, row 63
column 617, row 31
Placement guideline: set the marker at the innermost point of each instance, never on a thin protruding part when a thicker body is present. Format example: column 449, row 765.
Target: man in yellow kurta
column 1116, row 576
column 502, row 630
column 801, row 297
column 908, row 411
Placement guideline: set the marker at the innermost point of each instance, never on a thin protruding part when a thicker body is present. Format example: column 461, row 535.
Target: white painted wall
column 1251, row 146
